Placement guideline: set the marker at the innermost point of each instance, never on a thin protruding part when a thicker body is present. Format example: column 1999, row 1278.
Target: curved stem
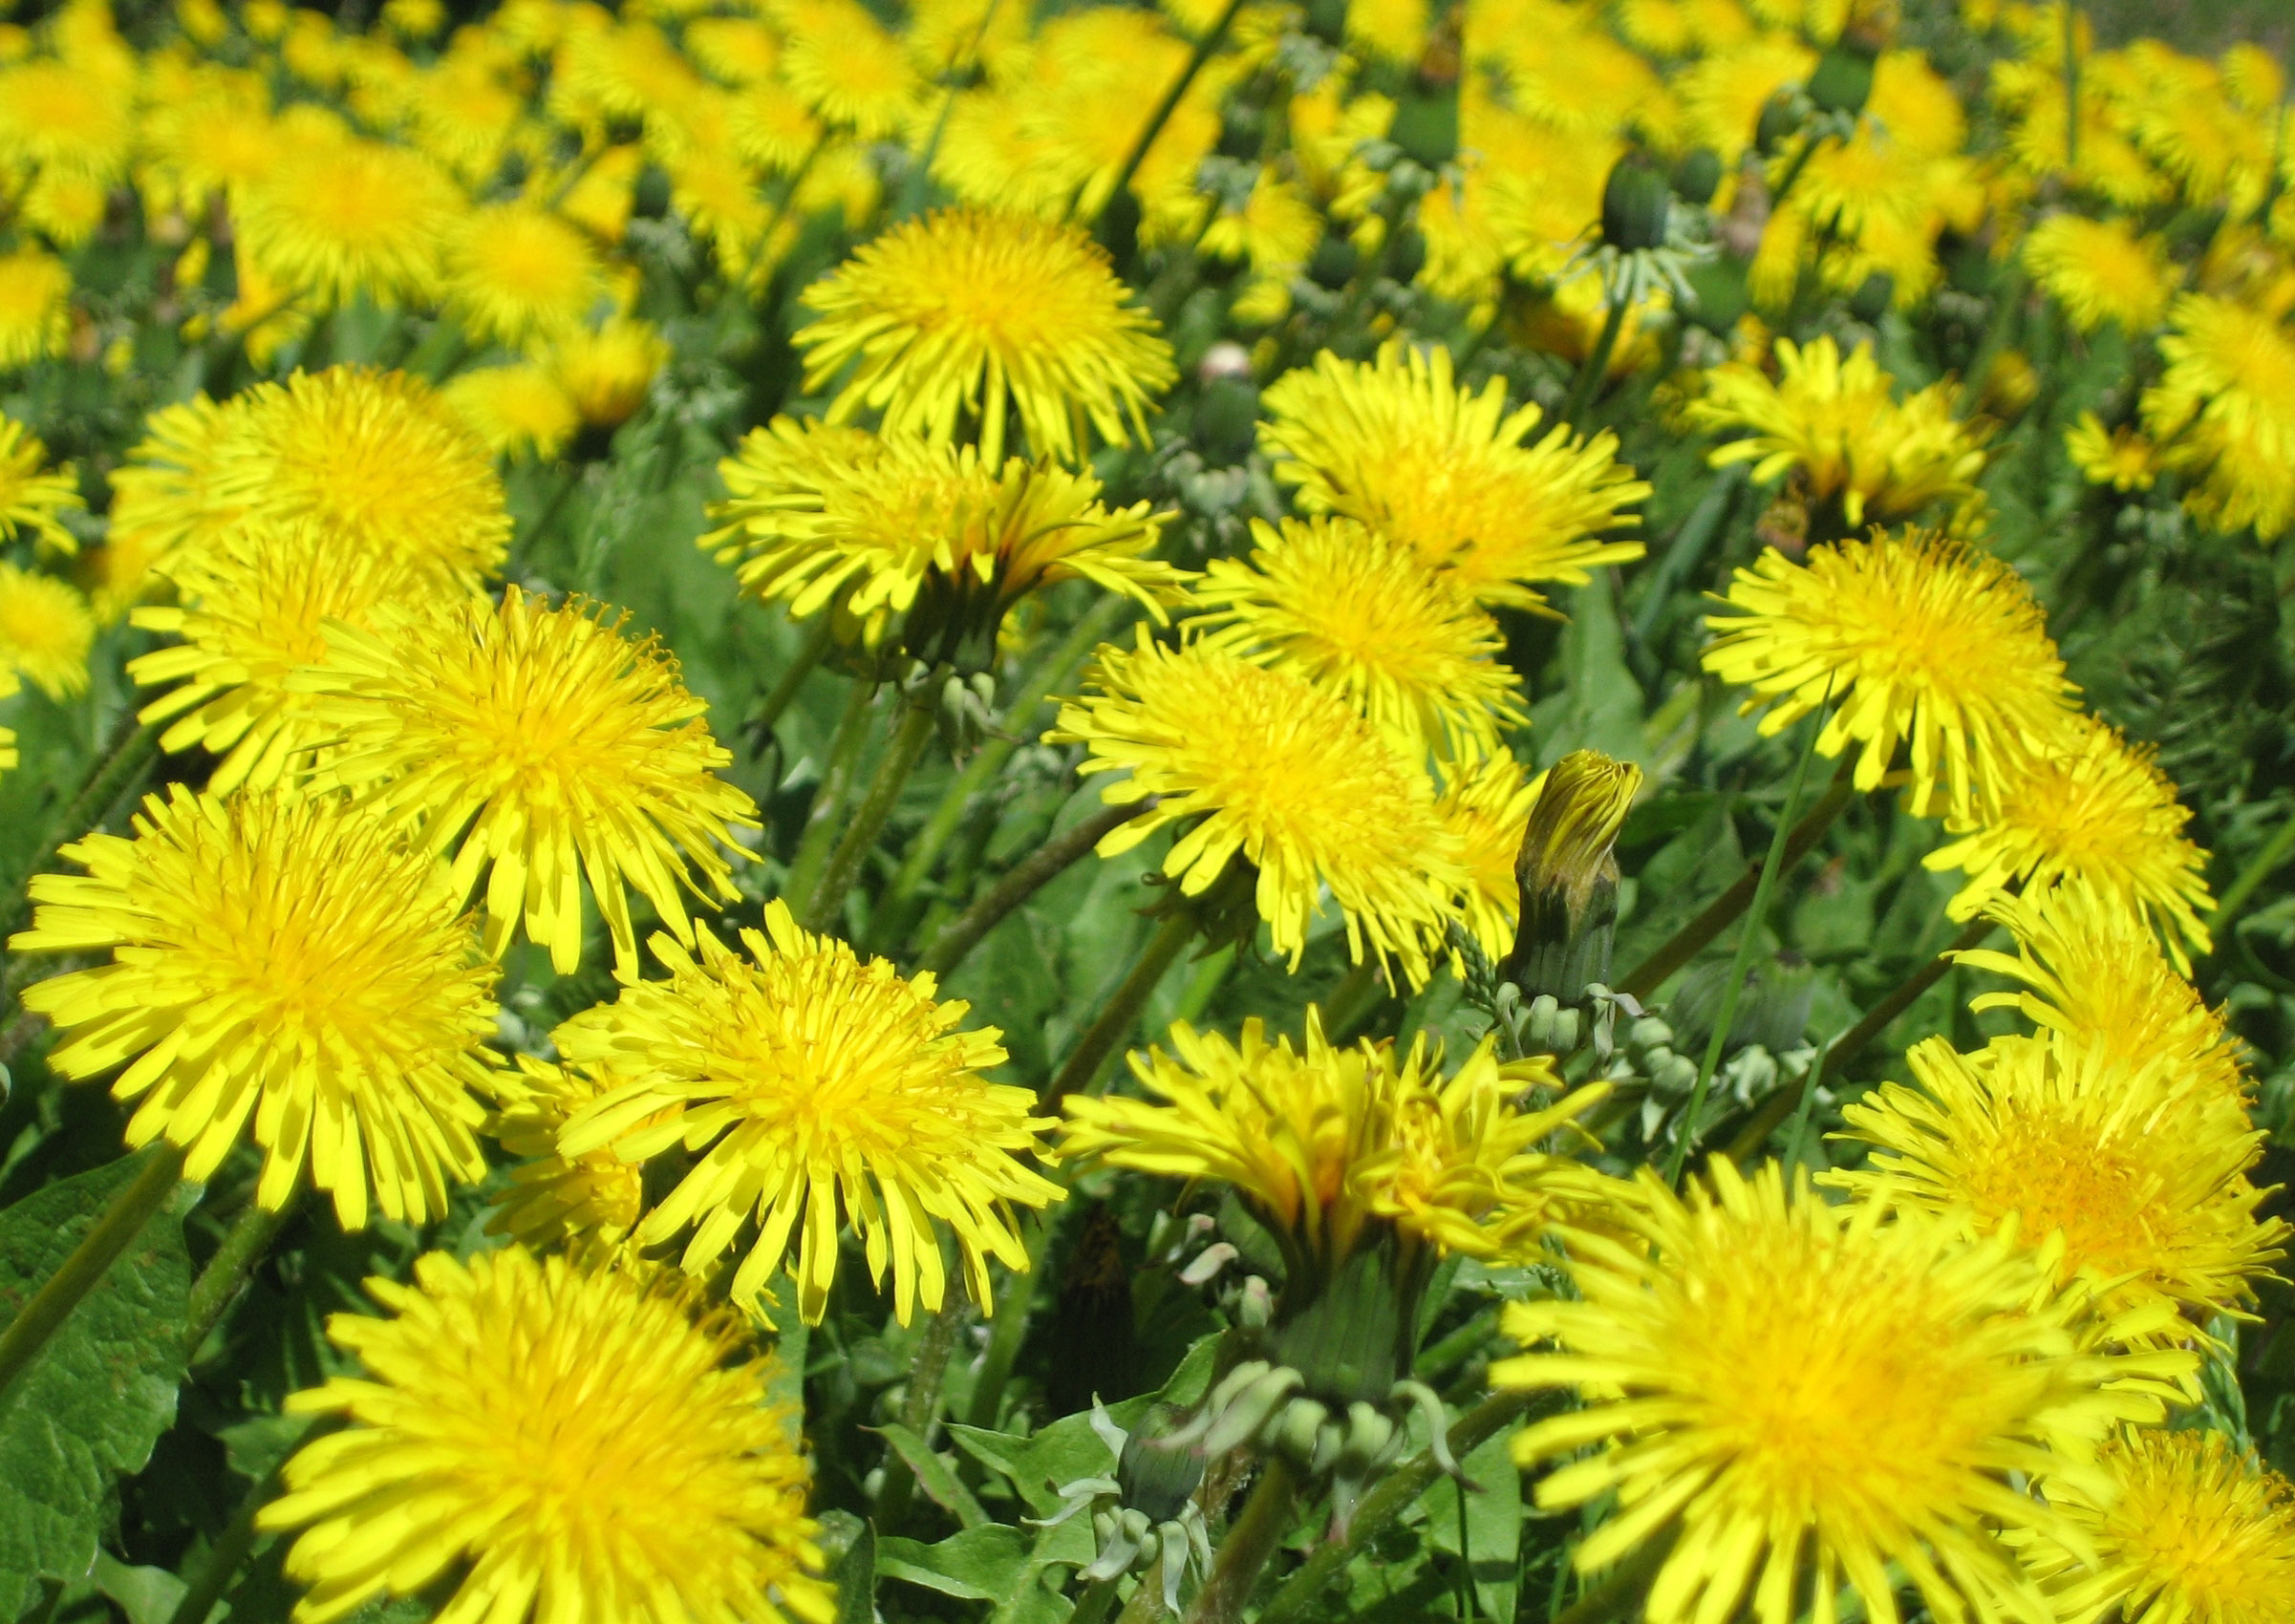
column 825, row 907
column 819, row 835
column 244, row 1245
column 1251, row 1540
column 920, row 1405
column 1597, row 364
column 114, row 1232
column 1878, row 1018
column 1094, row 1604
column 1090, row 1055
column 2260, row 868
column 784, row 690
column 1164, row 108
column 1038, row 869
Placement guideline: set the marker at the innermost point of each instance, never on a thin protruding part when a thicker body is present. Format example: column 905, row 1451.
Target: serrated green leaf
column 1061, row 1453
column 89, row 1408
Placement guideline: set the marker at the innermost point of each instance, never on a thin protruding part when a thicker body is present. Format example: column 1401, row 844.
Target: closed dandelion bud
column 1635, row 204
column 1334, row 262
column 1568, row 877
column 1227, row 419
column 1406, row 254
column 1301, row 1424
column 1843, row 79
column 1158, row 1480
column 1698, row 175
column 1780, row 120
column 1870, row 300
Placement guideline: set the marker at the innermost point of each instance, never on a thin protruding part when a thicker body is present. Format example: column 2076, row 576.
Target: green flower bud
column 1635, row 203
column 1778, row 121
column 1698, row 175
column 1569, row 877
column 1843, row 80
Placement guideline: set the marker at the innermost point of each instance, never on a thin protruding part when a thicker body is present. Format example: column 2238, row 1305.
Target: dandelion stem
column 114, row 1232
column 1164, row 108
column 920, row 1405
column 1251, row 1540
column 233, row 1546
column 1359, row 993
column 1691, row 939
column 244, row 1245
column 2071, row 88
column 1007, row 1329
column 821, row 823
column 1098, row 1596
column 1085, row 1064
column 1615, row 1596
column 1030, row 875
column 783, row 692
column 1396, row 1493
column 1747, row 939
column 1597, row 363
column 1878, row 1018
column 825, row 907
column 2265, row 864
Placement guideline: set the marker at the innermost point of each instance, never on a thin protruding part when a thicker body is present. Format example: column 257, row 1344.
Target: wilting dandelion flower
column 45, row 632
column 1914, row 639
column 2124, row 1169
column 1392, row 443
column 810, row 1088
column 584, row 1441
column 36, row 292
column 1805, row 1389
column 1364, row 617
column 287, row 961
column 1263, row 765
column 2082, row 800
column 515, row 273
column 31, row 494
column 2100, row 271
column 964, row 312
column 545, row 748
column 337, row 216
column 2186, row 1527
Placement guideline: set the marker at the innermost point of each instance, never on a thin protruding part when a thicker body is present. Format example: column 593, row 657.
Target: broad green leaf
column 1494, row 1523
column 147, row 1596
column 981, row 1564
column 1061, row 1453
column 934, row 1476
column 91, row 1406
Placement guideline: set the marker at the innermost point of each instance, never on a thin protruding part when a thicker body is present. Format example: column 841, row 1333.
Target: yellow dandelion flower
column 1333, row 1144
column 600, row 197
column 580, row 1444
column 45, row 632
column 546, row 747
column 31, row 494
column 607, row 374
column 1363, row 617
column 515, row 273
column 1393, row 443
column 806, row 1084
column 68, row 119
column 1264, row 764
column 375, row 460
column 1487, row 806
column 1837, row 425
column 958, row 313
column 2186, row 1528
column 2120, row 1168
column 1915, row 639
column 2100, row 271
column 2224, row 412
column 517, row 411
column 553, row 1198
column 163, row 496
column 36, row 295
column 772, row 127
column 958, row 36
column 10, row 755
column 2081, row 800
column 332, row 219
column 852, row 73
column 287, row 959
column 1799, row 1387
column 2090, row 968
column 2120, row 458
column 738, row 51
column 901, row 527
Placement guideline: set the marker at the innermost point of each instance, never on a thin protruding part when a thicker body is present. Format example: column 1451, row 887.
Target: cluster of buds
column 1146, row 1513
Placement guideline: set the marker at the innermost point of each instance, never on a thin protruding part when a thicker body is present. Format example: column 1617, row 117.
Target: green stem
column 2072, row 89
column 778, row 699
column 1098, row 1598
column 1690, row 940
column 1090, row 1055
column 132, row 746
column 1007, row 1329
column 113, row 1232
column 1439, row 1359
column 1396, row 1492
column 1146, row 1601
column 1359, row 993
column 821, row 823
column 1251, row 1540
column 1597, row 364
column 244, row 1245
column 1164, row 108
column 1056, row 671
column 1038, row 869
column 2260, row 868
column 920, row 1405
column 1877, row 1019
column 233, row 1546
column 1748, row 941
column 823, row 910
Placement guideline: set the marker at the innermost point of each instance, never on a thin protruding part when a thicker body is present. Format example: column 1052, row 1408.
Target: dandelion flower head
column 811, row 1089
column 1798, row 1387
column 586, row 1439
column 286, row 960
column 45, row 631
column 547, row 748
column 2120, row 457
column 1914, row 639
column 164, row 496
column 607, row 372
column 1394, row 443
column 517, row 411
column 2224, row 412
column 31, row 494
column 2100, row 271
column 336, row 215
column 850, row 71
column 958, row 313
column 36, row 292
column 1364, row 617
column 552, row 1198
column 1487, row 804
column 1264, row 765
column 515, row 271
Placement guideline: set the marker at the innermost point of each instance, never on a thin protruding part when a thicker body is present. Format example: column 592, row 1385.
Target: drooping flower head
column 31, row 494
column 1837, row 424
column 291, row 962
column 545, row 748
column 2100, row 271
column 2224, row 412
column 516, row 272
column 1365, row 618
column 964, row 312
column 35, row 293
column 811, row 1089
column 375, row 460
column 1394, row 443
column 922, row 534
column 2131, row 1170
column 1914, row 639
column 1807, row 1389
column 45, row 631
column 581, row 1442
column 335, row 216
column 2084, row 802
column 2186, row 1527
column 1266, row 767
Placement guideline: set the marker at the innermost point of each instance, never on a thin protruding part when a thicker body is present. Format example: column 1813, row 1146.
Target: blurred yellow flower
column 515, row 273
column 607, row 372
column 45, row 632
column 336, row 218
column 2120, row 457
column 2223, row 414
column 2100, row 271
column 31, row 494
column 36, row 292
column 516, row 411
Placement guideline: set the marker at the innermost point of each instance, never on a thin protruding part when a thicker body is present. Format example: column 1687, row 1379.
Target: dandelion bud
column 1843, row 79
column 1698, row 175
column 1635, row 203
column 1779, row 119
column 1568, row 877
